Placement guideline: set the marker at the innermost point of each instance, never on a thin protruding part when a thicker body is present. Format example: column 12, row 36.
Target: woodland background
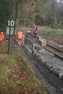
column 26, row 12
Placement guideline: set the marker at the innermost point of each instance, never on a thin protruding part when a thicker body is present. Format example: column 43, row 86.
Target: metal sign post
column 10, row 24
column 9, row 39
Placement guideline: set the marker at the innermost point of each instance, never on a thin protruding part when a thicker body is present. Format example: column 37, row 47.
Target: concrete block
column 40, row 41
column 39, row 37
column 43, row 42
column 35, row 47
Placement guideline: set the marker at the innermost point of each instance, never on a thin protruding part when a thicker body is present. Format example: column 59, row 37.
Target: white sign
column 10, row 23
column 11, row 32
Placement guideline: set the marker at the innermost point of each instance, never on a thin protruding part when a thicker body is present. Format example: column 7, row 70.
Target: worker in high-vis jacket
column 19, row 39
column 35, row 31
column 1, row 36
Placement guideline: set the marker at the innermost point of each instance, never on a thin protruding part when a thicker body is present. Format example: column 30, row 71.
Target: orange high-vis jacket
column 20, row 36
column 23, row 37
column 35, row 29
column 18, row 42
column 1, row 36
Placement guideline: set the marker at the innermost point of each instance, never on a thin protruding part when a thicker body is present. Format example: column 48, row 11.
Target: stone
column 61, row 75
column 41, row 51
column 61, row 47
column 61, row 68
column 38, row 56
column 51, row 55
column 54, row 68
column 49, row 66
column 56, row 72
column 44, row 63
column 51, row 70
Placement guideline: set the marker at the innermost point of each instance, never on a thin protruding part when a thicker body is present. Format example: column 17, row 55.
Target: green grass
column 5, row 70
column 2, row 47
column 54, row 33
column 10, row 67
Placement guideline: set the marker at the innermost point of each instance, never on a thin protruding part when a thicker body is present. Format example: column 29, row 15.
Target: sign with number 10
column 10, row 23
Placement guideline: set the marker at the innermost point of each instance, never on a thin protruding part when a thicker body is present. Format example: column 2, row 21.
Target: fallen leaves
column 17, row 75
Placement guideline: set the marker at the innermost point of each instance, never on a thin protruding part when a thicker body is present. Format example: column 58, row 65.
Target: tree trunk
column 17, row 21
column 55, row 21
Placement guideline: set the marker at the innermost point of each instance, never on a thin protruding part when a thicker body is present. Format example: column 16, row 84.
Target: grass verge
column 16, row 76
column 54, row 33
